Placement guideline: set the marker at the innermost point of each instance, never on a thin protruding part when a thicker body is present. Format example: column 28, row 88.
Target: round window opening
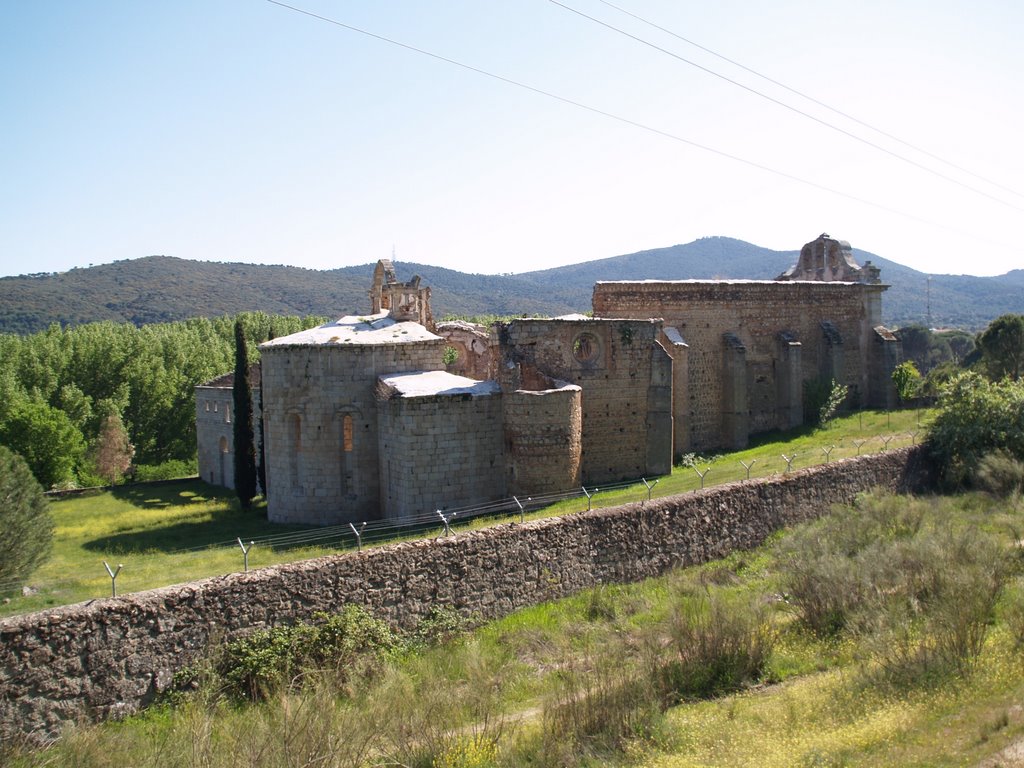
column 585, row 348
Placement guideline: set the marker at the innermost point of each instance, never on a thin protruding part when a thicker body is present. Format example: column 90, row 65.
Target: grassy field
column 179, row 532
column 566, row 683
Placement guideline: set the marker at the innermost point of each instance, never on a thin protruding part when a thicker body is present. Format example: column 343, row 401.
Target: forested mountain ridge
column 164, row 288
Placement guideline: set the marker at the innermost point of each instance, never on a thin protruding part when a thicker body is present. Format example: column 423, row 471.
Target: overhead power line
column 813, row 100
column 784, row 105
column 618, row 118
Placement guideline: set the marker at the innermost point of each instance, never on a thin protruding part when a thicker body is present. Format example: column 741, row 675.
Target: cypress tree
column 261, row 467
column 245, row 449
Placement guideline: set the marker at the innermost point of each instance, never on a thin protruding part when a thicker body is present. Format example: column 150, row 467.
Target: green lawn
column 179, row 532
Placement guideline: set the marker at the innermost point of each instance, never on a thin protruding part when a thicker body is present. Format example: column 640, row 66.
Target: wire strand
column 784, row 105
column 812, row 99
column 642, row 126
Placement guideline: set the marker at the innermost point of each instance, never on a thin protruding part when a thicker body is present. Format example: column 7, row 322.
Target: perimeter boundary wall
column 110, row 657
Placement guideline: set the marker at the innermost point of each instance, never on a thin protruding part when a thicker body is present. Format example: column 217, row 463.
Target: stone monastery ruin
column 388, row 415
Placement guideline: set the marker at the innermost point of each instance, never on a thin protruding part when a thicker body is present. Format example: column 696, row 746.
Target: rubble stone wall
column 111, row 656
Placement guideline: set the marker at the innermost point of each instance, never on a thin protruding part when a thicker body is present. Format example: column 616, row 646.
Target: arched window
column 346, row 433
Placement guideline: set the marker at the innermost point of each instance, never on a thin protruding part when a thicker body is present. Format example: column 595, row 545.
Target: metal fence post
column 445, row 519
column 702, row 475
column 359, row 535
column 789, row 461
column 590, row 496
column 113, row 577
column 245, row 553
column 748, row 466
column 650, row 487
column 828, row 452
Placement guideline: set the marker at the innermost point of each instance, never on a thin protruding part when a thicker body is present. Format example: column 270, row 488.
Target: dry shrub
column 1000, row 474
column 595, row 712
column 715, row 646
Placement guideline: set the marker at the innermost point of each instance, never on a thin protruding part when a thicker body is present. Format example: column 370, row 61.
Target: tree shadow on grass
column 228, row 521
column 184, row 536
column 172, row 494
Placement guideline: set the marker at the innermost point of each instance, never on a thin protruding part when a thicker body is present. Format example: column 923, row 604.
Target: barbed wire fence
column 446, row 522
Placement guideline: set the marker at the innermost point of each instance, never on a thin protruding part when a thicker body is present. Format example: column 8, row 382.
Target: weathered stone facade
column 743, row 349
column 363, row 421
column 215, row 440
column 111, row 656
column 625, row 377
column 360, row 424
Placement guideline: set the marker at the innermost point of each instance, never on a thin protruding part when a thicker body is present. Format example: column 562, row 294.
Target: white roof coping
column 674, row 336
column 574, row 316
column 427, row 383
column 365, row 330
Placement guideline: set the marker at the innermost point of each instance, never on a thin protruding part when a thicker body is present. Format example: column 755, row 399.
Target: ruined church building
column 371, row 417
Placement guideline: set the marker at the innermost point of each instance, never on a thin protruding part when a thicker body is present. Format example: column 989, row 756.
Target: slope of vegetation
column 721, row 665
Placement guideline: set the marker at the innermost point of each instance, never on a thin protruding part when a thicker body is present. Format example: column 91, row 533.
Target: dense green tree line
column 65, row 392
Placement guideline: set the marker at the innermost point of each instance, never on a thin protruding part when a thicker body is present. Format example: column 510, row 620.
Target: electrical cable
column 784, row 105
column 636, row 124
column 812, row 99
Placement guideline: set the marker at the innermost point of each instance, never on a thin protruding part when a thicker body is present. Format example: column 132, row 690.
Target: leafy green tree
column 822, row 400
column 976, row 417
column 1002, row 347
column 961, row 343
column 46, row 438
column 907, row 379
column 245, row 448
column 25, row 520
column 924, row 348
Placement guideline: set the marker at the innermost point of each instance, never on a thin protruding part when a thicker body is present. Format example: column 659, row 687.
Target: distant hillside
column 162, row 288
column 961, row 301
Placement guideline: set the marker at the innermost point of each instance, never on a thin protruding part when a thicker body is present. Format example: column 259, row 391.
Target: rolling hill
column 163, row 288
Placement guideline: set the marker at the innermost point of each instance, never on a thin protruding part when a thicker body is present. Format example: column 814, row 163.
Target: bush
column 24, row 519
column 822, row 400
column 169, row 470
column 975, row 418
column 917, row 594
column 266, row 660
column 596, row 712
column 716, row 647
column 999, row 473
column 907, row 379
column 934, row 620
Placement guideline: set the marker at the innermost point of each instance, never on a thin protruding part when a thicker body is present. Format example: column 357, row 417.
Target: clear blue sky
column 239, row 130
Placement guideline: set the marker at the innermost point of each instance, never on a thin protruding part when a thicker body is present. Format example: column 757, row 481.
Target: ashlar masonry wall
column 625, row 376
column 440, row 452
column 109, row 657
column 320, row 417
column 731, row 326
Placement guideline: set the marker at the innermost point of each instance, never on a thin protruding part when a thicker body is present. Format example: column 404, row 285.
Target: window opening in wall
column 227, row 413
column 215, row 407
column 346, row 433
column 207, row 406
column 585, row 347
column 295, row 438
